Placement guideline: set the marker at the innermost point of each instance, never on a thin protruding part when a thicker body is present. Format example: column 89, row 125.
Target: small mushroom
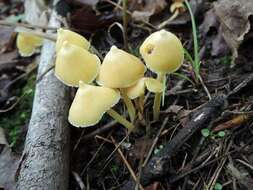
column 163, row 53
column 148, row 83
column 138, row 91
column 90, row 104
column 176, row 8
column 121, row 70
column 71, row 37
column 74, row 63
column 28, row 43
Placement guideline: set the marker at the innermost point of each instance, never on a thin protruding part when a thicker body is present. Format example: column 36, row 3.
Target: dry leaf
column 141, row 148
column 234, row 19
column 149, row 8
column 211, row 23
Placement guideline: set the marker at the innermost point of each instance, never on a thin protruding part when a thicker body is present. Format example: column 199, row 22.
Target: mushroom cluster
column 120, row 75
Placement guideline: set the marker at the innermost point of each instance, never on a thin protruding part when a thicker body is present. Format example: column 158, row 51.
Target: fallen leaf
column 241, row 175
column 148, row 8
column 86, row 21
column 5, row 37
column 141, row 148
column 174, row 109
column 234, row 19
column 212, row 33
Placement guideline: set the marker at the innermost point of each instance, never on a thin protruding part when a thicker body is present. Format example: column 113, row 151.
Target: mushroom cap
column 177, row 5
column 27, row 43
column 163, row 52
column 72, row 37
column 138, row 89
column 90, row 103
column 120, row 69
column 74, row 63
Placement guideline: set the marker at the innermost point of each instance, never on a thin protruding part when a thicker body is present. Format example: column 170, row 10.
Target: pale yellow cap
column 177, row 5
column 74, row 63
column 71, row 37
column 120, row 69
column 27, row 44
column 90, row 103
column 138, row 89
column 163, row 52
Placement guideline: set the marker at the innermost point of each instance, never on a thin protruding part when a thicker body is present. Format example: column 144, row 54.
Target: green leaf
column 205, row 132
column 218, row 186
column 221, row 134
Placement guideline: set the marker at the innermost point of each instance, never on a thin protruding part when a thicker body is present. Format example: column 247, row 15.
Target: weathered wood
column 45, row 162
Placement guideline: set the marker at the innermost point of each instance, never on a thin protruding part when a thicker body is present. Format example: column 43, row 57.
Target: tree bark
column 45, row 160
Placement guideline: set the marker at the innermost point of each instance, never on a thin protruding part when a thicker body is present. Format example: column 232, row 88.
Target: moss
column 226, row 60
column 14, row 121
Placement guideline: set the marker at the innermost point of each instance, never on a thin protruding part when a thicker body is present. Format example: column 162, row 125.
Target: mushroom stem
column 170, row 19
column 120, row 119
column 140, row 106
column 129, row 105
column 158, row 97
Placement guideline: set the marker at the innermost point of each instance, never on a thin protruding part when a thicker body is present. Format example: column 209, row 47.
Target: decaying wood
column 45, row 161
column 159, row 164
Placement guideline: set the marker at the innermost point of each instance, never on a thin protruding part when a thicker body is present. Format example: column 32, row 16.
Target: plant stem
column 195, row 41
column 120, row 119
column 129, row 105
column 158, row 97
column 125, row 24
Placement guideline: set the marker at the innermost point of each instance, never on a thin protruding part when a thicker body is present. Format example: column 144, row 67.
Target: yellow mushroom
column 74, row 63
column 90, row 104
column 177, row 7
column 148, row 83
column 138, row 91
column 28, row 43
column 121, row 70
column 71, row 37
column 163, row 53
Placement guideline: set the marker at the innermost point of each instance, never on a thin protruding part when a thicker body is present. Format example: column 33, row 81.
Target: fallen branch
column 45, row 160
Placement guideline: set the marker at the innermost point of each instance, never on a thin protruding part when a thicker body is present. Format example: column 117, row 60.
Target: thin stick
column 100, row 130
column 45, row 35
column 126, row 163
column 16, row 103
column 26, row 25
column 125, row 24
column 155, row 141
column 107, row 161
column 78, row 180
column 129, row 13
column 205, row 88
